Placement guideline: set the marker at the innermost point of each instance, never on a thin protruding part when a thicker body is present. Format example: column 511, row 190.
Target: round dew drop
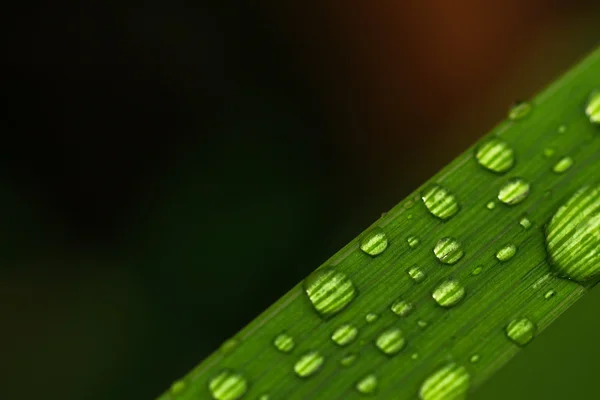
column 449, row 293
column 264, row 397
column 474, row 358
column 227, row 385
column 374, row 242
column 371, row 317
column 495, row 155
column 284, row 343
column 309, row 364
column 491, row 205
column 440, row 202
column 451, row 382
column 506, row 253
column 521, row 331
column 592, row 110
column 344, row 334
column 401, row 307
column 413, row 241
column 448, row 250
column 525, row 223
column 514, row 191
column 422, row 324
column 329, row 291
column 572, row 237
column 417, row 274
column 367, row 385
column 519, row 111
column 391, row 341
column 563, row 165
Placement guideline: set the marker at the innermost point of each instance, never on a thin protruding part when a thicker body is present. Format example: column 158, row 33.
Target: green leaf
column 438, row 294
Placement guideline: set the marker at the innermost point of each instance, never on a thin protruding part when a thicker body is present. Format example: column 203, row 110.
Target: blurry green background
column 170, row 169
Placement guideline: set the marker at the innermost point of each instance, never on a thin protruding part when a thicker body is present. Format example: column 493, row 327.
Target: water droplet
column 371, row 317
column 592, row 110
column 537, row 284
column 477, row 270
column 519, row 111
column 448, row 383
column 440, row 202
column 525, row 223
column 422, row 324
column 572, row 237
column 264, row 397
column 178, row 387
column 474, row 358
column 309, row 364
column 401, row 308
column 495, row 155
column 284, row 343
column 348, row 359
column 562, row 129
column 521, row 331
column 329, row 291
column 417, row 274
column 227, row 385
column 414, row 356
column 491, row 205
column 548, row 152
column 562, row 165
column 448, row 250
column 374, row 242
column 409, row 216
column 449, row 293
column 229, row 345
column 344, row 334
column 514, row 191
column 413, row 241
column 506, row 253
column 549, row 294
column 391, row 341
column 367, row 385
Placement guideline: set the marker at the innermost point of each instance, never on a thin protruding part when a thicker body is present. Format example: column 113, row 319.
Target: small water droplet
column 448, row 383
column 548, row 152
column 562, row 165
column 521, row 331
column 329, row 291
column 592, row 110
column 177, row 387
column 284, row 343
column 474, row 358
column 448, row 250
column 562, row 129
column 229, row 345
column 371, row 317
column 491, row 205
column 495, row 155
column 228, row 385
column 417, row 274
column 449, row 293
column 401, row 307
column 519, row 111
column 440, row 202
column 506, row 253
column 348, row 359
column 514, row 191
column 413, row 241
column 409, row 216
column 374, row 242
column 414, row 356
column 264, row 397
column 477, row 270
column 572, row 237
column 549, row 294
column 367, row 384
column 537, row 284
column 422, row 324
column 525, row 223
column 344, row 334
column 390, row 341
column 309, row 364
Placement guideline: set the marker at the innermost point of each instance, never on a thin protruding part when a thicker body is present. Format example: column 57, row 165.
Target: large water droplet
column 227, row 385
column 521, row 331
column 374, row 242
column 284, row 343
column 448, row 250
column 573, row 238
column 329, row 291
column 495, row 155
column 401, row 307
column 563, row 165
column 514, row 191
column 506, row 253
column 519, row 111
column 391, row 341
column 367, row 385
column 449, row 293
column 448, row 383
column 309, row 364
column 417, row 274
column 413, row 241
column 344, row 334
column 592, row 110
column 348, row 359
column 440, row 202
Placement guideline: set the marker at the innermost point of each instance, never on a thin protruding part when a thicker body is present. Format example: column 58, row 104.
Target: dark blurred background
column 170, row 169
